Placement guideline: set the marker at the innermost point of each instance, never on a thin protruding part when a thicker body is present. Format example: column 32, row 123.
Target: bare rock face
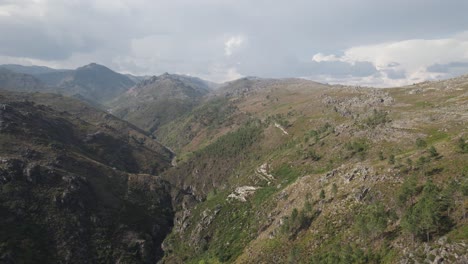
column 241, row 193
column 199, row 238
column 366, row 99
column 437, row 253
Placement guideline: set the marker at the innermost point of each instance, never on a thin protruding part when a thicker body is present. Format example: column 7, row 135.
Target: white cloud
column 320, row 57
column 404, row 62
column 232, row 44
column 207, row 38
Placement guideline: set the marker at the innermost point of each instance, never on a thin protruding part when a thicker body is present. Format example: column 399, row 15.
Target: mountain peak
column 92, row 65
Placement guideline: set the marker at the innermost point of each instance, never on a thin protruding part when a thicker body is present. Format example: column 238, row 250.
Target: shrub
column 462, row 145
column 334, row 189
column 322, row 194
column 313, row 155
column 377, row 118
column 433, row 152
column 298, row 220
column 357, row 147
column 381, row 156
column 421, row 143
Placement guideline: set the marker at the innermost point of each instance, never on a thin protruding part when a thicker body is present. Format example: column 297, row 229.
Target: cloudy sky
column 365, row 42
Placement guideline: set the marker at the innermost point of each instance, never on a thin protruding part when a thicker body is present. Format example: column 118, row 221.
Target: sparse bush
column 421, row 143
column 433, row 152
column 409, row 162
column 313, row 155
column 462, row 145
column 421, row 162
column 322, row 194
column 381, row 156
column 357, row 147
column 327, row 127
column 377, row 118
column 298, row 220
column 334, row 189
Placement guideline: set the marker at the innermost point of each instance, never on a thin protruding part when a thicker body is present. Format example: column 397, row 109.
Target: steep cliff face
column 78, row 185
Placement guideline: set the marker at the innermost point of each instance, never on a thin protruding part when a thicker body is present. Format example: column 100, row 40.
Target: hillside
column 159, row 99
column 31, row 70
column 92, row 82
column 20, row 82
column 78, row 185
column 292, row 171
column 267, row 171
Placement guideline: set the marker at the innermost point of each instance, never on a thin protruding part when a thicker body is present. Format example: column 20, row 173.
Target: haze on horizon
column 363, row 42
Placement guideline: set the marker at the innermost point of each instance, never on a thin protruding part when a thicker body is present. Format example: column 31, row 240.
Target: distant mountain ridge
column 20, row 82
column 33, row 70
column 93, row 81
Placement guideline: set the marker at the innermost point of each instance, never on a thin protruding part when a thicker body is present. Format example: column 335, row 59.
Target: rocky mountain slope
column 267, row 171
column 292, row 171
column 159, row 99
column 78, row 185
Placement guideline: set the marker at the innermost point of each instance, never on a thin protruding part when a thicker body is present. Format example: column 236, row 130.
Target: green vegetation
column 357, row 147
column 372, row 221
column 233, row 143
column 421, row 143
column 312, row 154
column 427, row 216
column 378, row 117
column 381, row 156
column 433, row 152
column 298, row 220
column 373, row 190
column 407, row 191
column 462, row 145
column 334, row 189
column 322, row 194
column 287, row 173
column 348, row 253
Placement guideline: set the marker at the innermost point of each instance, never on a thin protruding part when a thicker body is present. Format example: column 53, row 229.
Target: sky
column 360, row 42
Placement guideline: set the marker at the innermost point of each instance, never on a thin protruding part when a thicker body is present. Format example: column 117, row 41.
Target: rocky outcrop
column 242, row 193
column 440, row 252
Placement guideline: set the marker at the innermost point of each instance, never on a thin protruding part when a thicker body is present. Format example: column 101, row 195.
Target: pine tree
column 427, row 215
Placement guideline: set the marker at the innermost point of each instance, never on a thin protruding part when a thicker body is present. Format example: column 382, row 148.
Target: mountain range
column 93, row 82
column 102, row 167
